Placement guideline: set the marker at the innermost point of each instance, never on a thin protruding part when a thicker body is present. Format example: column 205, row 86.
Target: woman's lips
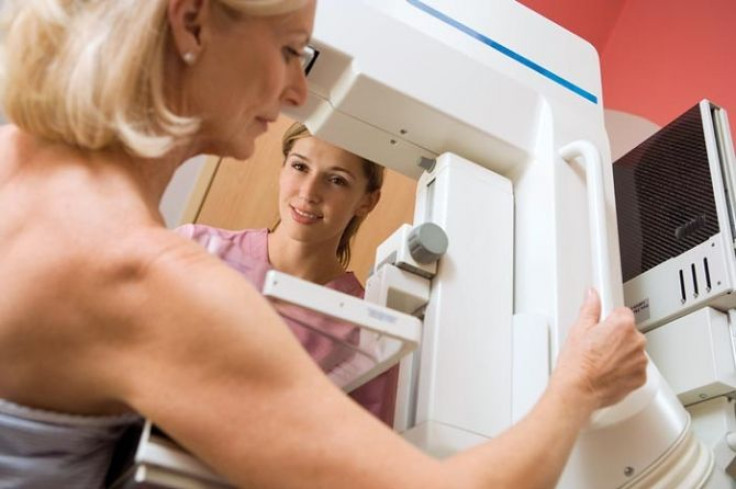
column 304, row 217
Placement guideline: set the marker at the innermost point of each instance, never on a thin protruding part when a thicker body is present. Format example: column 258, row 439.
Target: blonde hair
column 90, row 73
column 374, row 181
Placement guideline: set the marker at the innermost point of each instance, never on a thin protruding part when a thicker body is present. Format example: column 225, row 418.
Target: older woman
column 105, row 314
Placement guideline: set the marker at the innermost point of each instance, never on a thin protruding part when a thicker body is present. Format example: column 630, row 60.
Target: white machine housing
column 675, row 200
column 492, row 84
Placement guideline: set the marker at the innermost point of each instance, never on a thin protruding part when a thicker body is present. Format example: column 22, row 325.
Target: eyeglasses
column 309, row 56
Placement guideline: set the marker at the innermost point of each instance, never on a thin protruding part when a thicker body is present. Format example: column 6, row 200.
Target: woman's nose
column 296, row 90
column 309, row 189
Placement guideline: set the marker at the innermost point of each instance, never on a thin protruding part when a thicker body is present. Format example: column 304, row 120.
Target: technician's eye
column 299, row 166
column 339, row 181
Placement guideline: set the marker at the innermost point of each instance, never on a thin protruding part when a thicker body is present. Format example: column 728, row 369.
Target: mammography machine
column 497, row 112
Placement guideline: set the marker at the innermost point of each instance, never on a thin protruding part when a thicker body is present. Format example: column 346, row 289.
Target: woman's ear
column 368, row 203
column 189, row 21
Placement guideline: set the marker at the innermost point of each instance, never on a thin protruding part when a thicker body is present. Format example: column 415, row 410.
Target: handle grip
column 596, row 217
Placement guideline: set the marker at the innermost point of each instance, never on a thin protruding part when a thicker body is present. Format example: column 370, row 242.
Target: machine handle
column 596, row 217
column 642, row 397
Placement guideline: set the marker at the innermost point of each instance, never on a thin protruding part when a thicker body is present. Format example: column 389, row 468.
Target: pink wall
column 593, row 20
column 663, row 56
column 658, row 57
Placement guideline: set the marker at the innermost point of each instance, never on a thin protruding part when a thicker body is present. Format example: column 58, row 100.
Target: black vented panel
column 664, row 196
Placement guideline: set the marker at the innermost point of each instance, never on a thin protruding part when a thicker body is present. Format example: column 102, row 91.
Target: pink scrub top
column 247, row 252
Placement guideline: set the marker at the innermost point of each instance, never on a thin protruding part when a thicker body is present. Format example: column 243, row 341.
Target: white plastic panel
column 531, row 362
column 695, row 355
column 714, row 423
column 659, row 293
column 465, row 359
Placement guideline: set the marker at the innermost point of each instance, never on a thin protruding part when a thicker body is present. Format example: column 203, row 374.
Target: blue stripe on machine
column 504, row 50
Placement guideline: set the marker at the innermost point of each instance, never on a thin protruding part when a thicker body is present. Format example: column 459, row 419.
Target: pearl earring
column 189, row 58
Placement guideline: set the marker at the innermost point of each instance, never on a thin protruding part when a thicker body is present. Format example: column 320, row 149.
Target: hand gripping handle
column 640, row 398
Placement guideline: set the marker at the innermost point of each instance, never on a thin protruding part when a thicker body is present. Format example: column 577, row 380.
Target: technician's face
column 251, row 68
column 321, row 188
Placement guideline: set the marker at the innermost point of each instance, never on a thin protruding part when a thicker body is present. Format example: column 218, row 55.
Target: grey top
column 42, row 449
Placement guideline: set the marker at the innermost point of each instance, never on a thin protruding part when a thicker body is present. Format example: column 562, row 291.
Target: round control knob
column 427, row 243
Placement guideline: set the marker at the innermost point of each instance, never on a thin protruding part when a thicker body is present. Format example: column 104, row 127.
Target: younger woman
column 325, row 193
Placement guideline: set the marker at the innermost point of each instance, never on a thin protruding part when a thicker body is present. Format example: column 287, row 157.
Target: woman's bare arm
column 210, row 362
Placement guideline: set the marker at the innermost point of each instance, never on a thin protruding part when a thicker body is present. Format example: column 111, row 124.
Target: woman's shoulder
column 225, row 242
column 198, row 231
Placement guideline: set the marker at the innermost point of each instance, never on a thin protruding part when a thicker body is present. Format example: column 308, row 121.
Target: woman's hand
column 603, row 361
